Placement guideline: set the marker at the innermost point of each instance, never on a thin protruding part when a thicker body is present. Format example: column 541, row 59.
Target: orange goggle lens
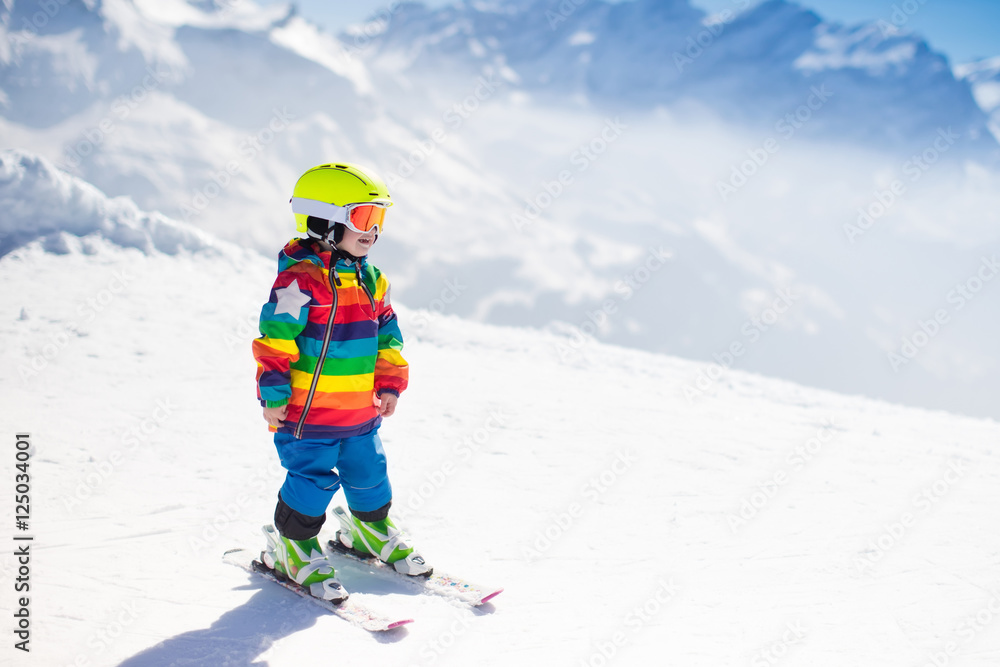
column 365, row 218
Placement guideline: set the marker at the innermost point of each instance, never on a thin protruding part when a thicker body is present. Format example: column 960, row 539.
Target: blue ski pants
column 317, row 467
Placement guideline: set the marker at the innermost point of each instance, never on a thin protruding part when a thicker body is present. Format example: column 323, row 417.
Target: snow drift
column 40, row 201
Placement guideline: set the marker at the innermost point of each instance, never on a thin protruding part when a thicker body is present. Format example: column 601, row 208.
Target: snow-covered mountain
column 765, row 520
column 164, row 102
column 200, row 110
column 984, row 77
column 664, row 222
column 756, row 67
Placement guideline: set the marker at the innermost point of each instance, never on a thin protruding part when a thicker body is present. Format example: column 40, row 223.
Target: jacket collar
column 309, row 250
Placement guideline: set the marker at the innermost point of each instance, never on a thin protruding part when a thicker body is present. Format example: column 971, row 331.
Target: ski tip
column 491, row 596
column 398, row 624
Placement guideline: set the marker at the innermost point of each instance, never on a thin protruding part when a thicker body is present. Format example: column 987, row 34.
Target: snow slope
column 763, row 523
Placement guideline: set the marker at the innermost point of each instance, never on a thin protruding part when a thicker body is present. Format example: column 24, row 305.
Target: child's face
column 355, row 243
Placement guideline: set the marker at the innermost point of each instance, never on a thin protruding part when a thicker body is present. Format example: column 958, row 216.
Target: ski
column 349, row 610
column 439, row 584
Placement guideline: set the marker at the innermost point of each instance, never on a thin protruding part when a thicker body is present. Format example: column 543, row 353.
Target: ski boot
column 380, row 539
column 303, row 562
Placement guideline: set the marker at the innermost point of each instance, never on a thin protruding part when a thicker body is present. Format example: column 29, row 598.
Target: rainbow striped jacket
column 342, row 317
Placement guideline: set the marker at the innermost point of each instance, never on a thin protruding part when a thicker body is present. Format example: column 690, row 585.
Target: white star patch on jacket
column 290, row 300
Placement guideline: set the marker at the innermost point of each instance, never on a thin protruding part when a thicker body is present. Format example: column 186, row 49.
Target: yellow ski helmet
column 342, row 192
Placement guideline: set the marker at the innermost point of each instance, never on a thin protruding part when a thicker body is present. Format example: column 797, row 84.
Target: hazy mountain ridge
column 531, row 204
column 752, row 67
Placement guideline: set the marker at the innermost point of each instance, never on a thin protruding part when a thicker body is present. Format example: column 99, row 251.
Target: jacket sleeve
column 391, row 370
column 282, row 319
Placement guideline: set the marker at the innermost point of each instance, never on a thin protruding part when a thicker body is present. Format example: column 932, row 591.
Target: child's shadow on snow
column 244, row 635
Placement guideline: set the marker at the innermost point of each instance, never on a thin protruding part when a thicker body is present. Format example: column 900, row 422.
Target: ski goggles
column 361, row 218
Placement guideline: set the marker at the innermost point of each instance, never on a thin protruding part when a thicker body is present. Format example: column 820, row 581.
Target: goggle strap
column 319, row 209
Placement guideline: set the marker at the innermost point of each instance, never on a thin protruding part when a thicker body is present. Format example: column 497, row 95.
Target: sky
column 964, row 30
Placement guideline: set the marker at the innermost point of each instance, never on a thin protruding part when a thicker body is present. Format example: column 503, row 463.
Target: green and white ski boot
column 380, row 539
column 303, row 562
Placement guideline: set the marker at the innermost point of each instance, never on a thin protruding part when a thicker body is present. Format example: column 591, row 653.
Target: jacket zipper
column 326, row 346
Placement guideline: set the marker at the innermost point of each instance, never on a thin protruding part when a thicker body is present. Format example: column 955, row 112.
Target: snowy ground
column 760, row 524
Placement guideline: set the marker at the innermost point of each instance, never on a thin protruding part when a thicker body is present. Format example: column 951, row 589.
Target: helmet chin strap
column 327, row 238
column 343, row 254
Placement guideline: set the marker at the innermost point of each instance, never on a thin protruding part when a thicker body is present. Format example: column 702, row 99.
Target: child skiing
column 329, row 368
